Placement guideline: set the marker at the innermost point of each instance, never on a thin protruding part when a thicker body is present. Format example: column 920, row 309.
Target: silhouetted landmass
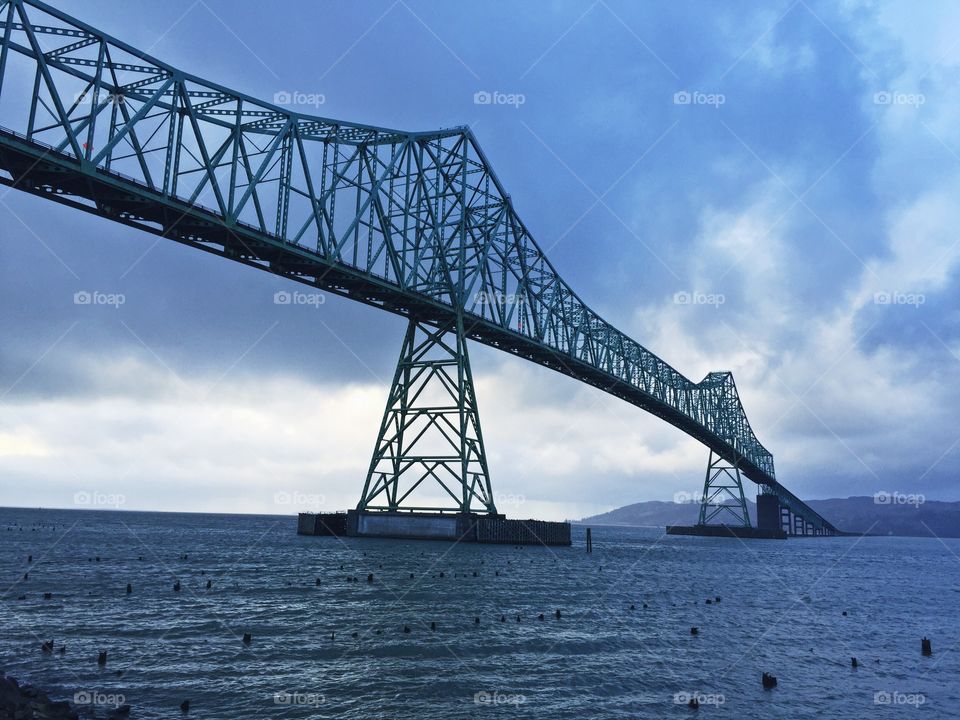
column 30, row 703
column 888, row 515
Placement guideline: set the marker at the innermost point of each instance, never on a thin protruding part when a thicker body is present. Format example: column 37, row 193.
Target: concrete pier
column 322, row 524
column 521, row 532
column 737, row 531
column 462, row 527
column 768, row 512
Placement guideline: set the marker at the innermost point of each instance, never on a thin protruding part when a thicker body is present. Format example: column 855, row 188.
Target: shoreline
column 28, row 702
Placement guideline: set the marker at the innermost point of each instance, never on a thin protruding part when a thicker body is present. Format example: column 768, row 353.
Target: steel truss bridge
column 414, row 223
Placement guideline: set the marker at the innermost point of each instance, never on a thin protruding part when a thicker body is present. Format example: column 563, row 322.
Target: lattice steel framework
column 430, row 432
column 723, row 494
column 414, row 223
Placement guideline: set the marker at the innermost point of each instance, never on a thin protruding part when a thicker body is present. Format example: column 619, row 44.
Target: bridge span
column 415, row 223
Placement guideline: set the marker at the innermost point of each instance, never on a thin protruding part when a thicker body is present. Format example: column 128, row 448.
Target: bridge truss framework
column 417, row 224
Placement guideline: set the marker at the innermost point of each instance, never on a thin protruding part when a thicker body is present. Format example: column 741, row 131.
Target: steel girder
column 415, row 223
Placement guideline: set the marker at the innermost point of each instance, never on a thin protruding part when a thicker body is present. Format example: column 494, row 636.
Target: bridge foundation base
column 458, row 527
column 737, row 531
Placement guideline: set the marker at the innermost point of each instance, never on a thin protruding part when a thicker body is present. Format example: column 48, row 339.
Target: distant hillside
column 896, row 516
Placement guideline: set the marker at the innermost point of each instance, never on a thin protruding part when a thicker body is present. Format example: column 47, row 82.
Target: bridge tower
column 430, row 437
column 721, row 486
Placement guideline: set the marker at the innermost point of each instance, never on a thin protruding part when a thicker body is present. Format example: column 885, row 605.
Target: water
column 781, row 612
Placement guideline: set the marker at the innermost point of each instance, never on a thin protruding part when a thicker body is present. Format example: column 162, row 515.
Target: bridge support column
column 430, row 449
column 786, row 524
column 723, row 484
column 768, row 512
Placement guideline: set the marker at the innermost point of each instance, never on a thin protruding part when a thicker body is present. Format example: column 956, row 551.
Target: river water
column 781, row 611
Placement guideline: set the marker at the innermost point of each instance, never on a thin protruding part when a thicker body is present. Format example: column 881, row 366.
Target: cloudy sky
column 796, row 168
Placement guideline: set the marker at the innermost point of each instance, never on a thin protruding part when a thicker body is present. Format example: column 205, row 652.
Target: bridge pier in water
column 772, row 514
column 430, row 440
column 458, row 527
column 722, row 485
column 778, row 514
column 723, row 498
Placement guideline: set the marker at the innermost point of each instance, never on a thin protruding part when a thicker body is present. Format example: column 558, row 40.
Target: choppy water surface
column 781, row 611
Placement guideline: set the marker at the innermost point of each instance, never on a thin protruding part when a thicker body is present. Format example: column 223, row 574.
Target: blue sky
column 811, row 175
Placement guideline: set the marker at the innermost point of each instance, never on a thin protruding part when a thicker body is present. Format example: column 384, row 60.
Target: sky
column 768, row 189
